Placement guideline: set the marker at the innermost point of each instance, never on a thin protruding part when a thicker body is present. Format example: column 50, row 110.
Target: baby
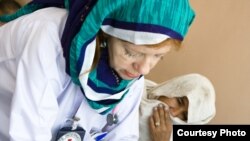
column 190, row 99
column 8, row 7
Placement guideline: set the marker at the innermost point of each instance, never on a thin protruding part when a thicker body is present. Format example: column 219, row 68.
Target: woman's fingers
column 160, row 124
column 168, row 121
column 156, row 117
column 161, row 111
column 151, row 124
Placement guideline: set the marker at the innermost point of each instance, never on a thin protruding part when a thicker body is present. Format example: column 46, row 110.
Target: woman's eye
column 158, row 56
column 129, row 54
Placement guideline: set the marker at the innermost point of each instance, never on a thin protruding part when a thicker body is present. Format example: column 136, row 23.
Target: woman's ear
column 103, row 35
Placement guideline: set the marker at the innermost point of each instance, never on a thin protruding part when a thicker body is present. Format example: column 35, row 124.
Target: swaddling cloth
column 199, row 91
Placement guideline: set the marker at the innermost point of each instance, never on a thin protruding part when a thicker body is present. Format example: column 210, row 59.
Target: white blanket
column 199, row 91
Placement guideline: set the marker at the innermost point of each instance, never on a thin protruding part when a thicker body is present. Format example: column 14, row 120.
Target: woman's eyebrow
column 130, row 49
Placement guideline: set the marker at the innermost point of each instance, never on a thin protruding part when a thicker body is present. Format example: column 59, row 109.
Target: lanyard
column 111, row 119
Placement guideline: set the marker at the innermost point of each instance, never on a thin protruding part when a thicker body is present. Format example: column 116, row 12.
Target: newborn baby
column 189, row 98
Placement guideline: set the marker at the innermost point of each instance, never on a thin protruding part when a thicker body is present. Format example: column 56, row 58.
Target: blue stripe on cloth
column 101, row 136
column 105, row 112
column 104, row 70
column 107, row 102
column 74, row 22
column 80, row 60
column 49, row 2
column 102, row 90
column 142, row 27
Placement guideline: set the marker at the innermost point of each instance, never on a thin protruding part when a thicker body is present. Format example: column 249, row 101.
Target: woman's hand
column 160, row 124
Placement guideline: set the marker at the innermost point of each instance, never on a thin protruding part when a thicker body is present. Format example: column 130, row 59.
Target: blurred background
column 218, row 47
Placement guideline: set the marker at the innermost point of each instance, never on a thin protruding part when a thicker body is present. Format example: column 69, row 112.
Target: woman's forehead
column 142, row 48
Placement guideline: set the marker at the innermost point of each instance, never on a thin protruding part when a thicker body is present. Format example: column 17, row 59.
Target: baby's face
column 1, row 23
column 178, row 106
column 1, row 13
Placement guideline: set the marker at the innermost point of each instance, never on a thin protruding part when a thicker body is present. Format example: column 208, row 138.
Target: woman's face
column 178, row 106
column 130, row 61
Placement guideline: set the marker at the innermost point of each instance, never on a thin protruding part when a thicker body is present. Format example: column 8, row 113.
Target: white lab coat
column 37, row 96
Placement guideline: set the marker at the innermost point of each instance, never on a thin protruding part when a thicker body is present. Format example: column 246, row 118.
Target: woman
column 188, row 99
column 98, row 95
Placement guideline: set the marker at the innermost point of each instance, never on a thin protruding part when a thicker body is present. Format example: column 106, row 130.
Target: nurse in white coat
column 100, row 96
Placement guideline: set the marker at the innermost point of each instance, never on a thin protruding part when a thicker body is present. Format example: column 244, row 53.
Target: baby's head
column 191, row 98
column 8, row 7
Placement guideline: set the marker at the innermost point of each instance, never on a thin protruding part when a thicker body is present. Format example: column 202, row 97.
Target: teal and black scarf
column 136, row 21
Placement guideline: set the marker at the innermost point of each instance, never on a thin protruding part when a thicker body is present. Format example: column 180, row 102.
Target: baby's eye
column 185, row 116
column 180, row 101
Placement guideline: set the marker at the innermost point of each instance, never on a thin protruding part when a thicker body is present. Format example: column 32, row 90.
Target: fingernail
column 166, row 109
column 160, row 105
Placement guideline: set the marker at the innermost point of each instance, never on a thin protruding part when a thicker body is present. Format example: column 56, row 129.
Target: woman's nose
column 143, row 67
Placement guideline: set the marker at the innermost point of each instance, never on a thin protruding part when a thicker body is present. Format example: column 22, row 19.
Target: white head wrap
column 199, row 91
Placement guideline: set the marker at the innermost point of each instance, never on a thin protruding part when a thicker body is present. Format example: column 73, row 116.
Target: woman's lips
column 130, row 74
